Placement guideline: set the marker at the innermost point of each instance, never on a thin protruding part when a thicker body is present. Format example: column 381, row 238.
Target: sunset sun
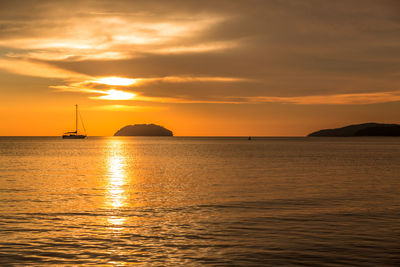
column 116, row 95
column 116, row 81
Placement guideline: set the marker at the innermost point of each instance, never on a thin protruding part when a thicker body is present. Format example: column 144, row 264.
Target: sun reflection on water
column 116, row 191
column 116, row 195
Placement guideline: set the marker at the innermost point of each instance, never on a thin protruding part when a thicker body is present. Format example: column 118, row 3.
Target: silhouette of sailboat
column 75, row 135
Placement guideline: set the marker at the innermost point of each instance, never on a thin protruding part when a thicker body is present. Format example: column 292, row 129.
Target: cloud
column 103, row 35
column 339, row 99
column 105, row 86
column 178, row 79
column 107, row 93
column 126, row 108
column 37, row 69
column 196, row 48
column 298, row 52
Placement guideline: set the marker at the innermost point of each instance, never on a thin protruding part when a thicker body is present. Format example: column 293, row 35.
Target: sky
column 199, row 68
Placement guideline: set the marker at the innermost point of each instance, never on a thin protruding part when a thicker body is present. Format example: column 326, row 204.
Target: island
column 143, row 130
column 365, row 129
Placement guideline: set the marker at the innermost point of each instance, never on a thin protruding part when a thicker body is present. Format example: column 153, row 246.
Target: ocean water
column 200, row 201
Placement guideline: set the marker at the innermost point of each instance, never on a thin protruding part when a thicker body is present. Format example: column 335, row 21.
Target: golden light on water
column 116, row 195
column 116, row 221
column 116, row 181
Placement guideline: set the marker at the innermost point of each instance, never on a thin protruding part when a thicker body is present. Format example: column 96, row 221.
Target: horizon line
column 246, row 136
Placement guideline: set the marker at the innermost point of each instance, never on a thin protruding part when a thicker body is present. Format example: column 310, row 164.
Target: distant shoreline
column 370, row 129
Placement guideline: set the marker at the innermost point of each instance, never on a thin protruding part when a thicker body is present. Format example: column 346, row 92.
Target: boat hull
column 77, row 136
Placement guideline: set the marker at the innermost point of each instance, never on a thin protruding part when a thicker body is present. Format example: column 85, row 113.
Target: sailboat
column 75, row 135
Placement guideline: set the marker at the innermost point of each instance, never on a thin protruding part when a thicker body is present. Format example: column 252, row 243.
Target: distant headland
column 143, row 130
column 365, row 129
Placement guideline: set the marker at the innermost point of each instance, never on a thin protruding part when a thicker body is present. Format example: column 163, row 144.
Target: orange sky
column 267, row 68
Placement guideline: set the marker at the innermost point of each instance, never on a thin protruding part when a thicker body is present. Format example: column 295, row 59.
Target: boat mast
column 76, row 118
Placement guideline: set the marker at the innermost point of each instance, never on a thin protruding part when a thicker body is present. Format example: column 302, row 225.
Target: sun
column 116, row 95
column 116, row 81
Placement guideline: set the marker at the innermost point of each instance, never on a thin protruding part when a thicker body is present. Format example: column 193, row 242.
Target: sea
column 195, row 201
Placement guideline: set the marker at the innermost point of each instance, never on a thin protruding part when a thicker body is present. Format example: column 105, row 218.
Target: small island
column 365, row 129
column 143, row 130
